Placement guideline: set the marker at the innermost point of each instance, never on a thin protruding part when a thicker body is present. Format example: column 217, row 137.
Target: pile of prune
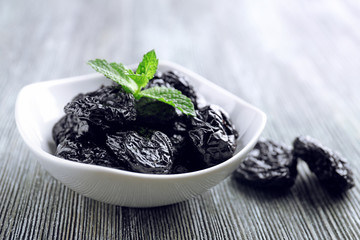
column 273, row 165
column 109, row 127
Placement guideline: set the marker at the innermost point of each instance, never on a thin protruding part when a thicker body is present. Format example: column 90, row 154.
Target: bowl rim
column 113, row 171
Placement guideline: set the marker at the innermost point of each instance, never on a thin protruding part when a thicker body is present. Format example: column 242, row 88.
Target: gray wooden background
column 299, row 61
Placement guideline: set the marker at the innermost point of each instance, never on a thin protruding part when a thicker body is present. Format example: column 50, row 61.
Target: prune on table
column 105, row 107
column 269, row 164
column 84, row 151
column 142, row 153
column 213, row 135
column 173, row 79
column 331, row 169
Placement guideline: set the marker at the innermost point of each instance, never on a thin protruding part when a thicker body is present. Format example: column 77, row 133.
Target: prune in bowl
column 39, row 106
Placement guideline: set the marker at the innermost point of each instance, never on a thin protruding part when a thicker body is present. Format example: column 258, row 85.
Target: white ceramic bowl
column 40, row 105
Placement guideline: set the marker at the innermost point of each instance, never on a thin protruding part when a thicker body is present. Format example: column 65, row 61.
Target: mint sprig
column 116, row 72
column 134, row 82
column 172, row 97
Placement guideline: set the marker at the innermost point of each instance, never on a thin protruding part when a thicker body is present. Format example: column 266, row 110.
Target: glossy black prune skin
column 84, row 151
column 163, row 117
column 173, row 79
column 186, row 157
column 81, row 129
column 269, row 164
column 105, row 107
column 67, row 125
column 178, row 137
column 141, row 153
column 108, row 127
column 331, row 169
column 153, row 113
column 213, row 135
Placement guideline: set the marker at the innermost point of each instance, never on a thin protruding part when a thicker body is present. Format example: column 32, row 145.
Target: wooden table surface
column 297, row 61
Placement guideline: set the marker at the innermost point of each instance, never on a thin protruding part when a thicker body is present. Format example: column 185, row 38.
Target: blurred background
column 247, row 47
column 298, row 61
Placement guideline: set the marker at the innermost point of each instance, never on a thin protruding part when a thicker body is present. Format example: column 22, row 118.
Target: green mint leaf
column 172, row 97
column 140, row 79
column 147, row 67
column 133, row 82
column 116, row 72
column 127, row 71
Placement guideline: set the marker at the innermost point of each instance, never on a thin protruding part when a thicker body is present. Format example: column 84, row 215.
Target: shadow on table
column 306, row 189
column 250, row 190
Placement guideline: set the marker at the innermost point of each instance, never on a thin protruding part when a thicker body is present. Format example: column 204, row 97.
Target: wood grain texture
column 298, row 61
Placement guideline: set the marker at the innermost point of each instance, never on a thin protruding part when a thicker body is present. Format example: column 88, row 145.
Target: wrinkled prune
column 68, row 125
column 188, row 161
column 185, row 156
column 269, row 164
column 105, row 107
column 142, row 154
column 177, row 132
column 173, row 79
column 153, row 113
column 84, row 151
column 179, row 142
column 109, row 127
column 213, row 135
column 331, row 169
column 179, row 169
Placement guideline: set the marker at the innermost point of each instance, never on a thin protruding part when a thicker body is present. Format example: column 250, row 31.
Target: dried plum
column 153, row 113
column 185, row 156
column 177, row 132
column 141, row 153
column 331, row 169
column 179, row 169
column 163, row 117
column 213, row 135
column 105, row 107
column 70, row 125
column 108, row 127
column 179, row 142
column 188, row 161
column 65, row 126
column 83, row 151
column 269, row 164
column 173, row 79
